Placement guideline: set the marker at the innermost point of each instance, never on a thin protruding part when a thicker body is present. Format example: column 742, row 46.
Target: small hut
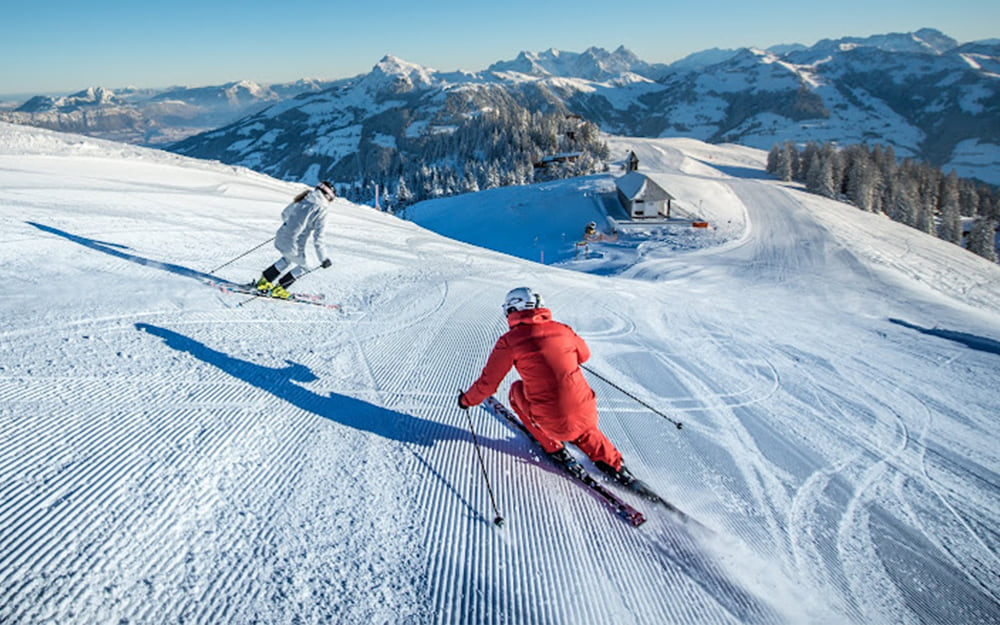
column 632, row 162
column 641, row 197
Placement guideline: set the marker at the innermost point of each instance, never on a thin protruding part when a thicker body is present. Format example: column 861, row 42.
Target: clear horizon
column 115, row 45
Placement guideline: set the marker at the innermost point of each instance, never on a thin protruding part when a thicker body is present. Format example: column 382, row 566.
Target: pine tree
column 982, row 239
column 950, row 228
column 403, row 195
column 772, row 159
column 814, row 174
column 793, row 160
column 968, row 198
column 786, row 162
column 825, row 174
column 469, row 182
column 989, row 204
column 862, row 179
column 492, row 177
column 810, row 150
column 924, row 215
column 820, row 178
column 903, row 207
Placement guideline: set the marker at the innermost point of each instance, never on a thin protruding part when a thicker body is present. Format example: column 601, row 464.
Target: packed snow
column 170, row 452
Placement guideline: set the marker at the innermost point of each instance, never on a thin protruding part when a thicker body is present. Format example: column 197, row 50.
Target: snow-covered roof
column 635, row 185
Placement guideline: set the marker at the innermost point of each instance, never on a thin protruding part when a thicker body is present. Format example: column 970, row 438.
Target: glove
column 461, row 401
column 327, row 264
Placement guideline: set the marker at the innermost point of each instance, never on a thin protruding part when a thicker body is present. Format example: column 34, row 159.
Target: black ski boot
column 561, row 457
column 566, row 460
column 623, row 476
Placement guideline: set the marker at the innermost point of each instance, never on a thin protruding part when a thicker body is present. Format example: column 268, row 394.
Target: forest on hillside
column 962, row 211
column 500, row 147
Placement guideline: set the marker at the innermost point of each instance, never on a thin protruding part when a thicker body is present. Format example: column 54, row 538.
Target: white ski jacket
column 301, row 219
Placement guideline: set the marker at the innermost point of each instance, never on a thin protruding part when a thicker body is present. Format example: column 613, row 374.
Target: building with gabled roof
column 641, row 197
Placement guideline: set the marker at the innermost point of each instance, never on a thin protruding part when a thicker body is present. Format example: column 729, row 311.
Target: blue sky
column 63, row 46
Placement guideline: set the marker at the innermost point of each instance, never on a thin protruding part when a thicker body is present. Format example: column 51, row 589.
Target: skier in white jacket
column 304, row 217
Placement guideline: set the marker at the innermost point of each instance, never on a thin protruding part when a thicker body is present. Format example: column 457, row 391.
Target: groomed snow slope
column 166, row 455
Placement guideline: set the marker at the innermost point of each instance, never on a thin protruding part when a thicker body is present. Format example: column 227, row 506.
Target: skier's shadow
column 284, row 383
column 117, row 250
column 354, row 413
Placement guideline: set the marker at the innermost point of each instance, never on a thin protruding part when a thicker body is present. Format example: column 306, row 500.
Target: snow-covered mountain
column 168, row 455
column 594, row 64
column 88, row 98
column 919, row 92
column 700, row 60
column 360, row 124
column 153, row 116
column 240, row 94
column 923, row 41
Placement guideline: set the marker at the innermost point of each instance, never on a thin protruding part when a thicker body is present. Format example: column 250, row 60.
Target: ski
column 295, row 298
column 643, row 490
column 573, row 469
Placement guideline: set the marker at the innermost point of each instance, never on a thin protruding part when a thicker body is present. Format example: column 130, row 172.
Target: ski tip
column 637, row 519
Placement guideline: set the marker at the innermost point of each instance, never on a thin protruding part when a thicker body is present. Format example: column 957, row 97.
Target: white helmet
column 522, row 298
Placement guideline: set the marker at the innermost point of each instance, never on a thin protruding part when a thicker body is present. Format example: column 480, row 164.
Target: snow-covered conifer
column 950, row 227
column 982, row 239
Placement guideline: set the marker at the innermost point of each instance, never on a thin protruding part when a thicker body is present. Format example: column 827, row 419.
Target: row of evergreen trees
column 497, row 148
column 910, row 192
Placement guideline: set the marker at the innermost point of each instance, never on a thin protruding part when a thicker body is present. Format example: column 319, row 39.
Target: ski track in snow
column 167, row 456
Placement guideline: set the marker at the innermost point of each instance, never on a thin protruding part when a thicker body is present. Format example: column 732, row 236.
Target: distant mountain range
column 153, row 117
column 924, row 93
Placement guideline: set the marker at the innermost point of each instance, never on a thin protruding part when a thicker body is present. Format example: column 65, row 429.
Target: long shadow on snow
column 354, row 413
column 971, row 341
column 114, row 249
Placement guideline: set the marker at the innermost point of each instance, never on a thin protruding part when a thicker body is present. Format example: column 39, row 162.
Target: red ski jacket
column 547, row 355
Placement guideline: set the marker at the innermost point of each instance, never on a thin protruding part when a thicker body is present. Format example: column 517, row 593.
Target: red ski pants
column 588, row 439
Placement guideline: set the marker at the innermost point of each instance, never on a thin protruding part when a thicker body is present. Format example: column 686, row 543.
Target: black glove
column 461, row 401
column 326, row 263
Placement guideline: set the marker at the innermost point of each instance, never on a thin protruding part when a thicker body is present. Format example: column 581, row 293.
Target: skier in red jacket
column 552, row 398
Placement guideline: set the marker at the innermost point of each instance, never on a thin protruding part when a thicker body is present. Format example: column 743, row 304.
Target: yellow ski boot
column 264, row 286
column 279, row 291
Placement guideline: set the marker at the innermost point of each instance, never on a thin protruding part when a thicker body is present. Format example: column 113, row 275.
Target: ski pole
column 498, row 521
column 225, row 264
column 613, row 385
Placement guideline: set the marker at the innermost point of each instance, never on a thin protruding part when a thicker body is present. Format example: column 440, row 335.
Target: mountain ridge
column 924, row 93
column 153, row 117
